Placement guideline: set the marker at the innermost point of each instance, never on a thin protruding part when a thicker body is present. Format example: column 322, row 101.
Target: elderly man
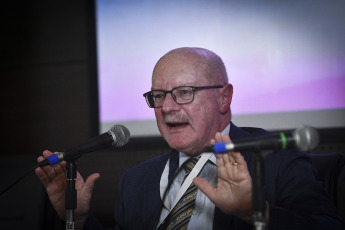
column 191, row 99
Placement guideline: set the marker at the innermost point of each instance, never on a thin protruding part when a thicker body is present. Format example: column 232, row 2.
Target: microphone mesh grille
column 307, row 138
column 121, row 135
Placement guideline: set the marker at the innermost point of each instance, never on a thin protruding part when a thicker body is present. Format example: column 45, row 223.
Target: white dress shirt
column 202, row 217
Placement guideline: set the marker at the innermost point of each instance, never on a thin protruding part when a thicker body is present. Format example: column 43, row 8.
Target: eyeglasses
column 181, row 95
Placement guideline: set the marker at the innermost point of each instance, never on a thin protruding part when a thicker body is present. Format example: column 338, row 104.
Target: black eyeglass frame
column 194, row 89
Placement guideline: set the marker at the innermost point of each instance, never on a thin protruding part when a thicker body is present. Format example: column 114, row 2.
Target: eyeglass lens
column 181, row 95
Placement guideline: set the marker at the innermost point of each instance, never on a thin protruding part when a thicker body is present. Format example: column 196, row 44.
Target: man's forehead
column 185, row 80
column 167, row 84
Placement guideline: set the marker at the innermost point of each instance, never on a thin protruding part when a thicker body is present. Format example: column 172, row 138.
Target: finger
column 40, row 158
column 79, row 181
column 47, row 153
column 62, row 166
column 41, row 172
column 219, row 157
column 240, row 160
column 59, row 168
column 228, row 158
column 212, row 142
column 43, row 176
column 218, row 137
column 204, row 187
column 219, row 160
column 90, row 182
column 231, row 155
column 226, row 138
column 47, row 173
column 55, row 170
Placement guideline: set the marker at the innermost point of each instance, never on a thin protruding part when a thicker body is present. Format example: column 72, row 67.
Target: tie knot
column 191, row 163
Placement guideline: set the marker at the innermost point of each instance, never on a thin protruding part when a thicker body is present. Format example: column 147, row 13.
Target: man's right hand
column 54, row 180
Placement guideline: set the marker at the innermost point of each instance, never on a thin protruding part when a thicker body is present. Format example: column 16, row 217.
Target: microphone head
column 120, row 135
column 306, row 138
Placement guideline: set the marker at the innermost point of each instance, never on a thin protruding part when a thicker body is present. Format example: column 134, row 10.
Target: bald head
column 209, row 64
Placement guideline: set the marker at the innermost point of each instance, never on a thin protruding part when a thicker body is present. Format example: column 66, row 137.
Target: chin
column 181, row 145
column 176, row 143
column 181, row 140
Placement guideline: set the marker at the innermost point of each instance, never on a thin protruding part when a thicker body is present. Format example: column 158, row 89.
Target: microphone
column 304, row 139
column 117, row 136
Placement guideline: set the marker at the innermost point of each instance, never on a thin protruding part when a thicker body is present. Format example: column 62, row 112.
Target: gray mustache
column 175, row 118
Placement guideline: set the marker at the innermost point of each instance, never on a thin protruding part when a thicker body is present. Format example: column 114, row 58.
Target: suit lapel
column 154, row 202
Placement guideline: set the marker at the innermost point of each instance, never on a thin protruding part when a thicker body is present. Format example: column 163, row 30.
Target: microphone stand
column 70, row 194
column 259, row 202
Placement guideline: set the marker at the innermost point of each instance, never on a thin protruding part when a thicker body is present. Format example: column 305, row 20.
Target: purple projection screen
column 286, row 59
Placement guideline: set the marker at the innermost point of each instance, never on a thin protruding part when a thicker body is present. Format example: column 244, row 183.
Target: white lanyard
column 188, row 181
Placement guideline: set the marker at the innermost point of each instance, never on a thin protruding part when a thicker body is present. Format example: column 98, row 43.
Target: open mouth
column 175, row 125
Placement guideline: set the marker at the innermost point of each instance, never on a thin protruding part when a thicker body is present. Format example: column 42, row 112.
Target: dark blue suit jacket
column 296, row 199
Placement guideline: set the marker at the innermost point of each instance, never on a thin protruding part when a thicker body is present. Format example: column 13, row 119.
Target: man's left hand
column 233, row 194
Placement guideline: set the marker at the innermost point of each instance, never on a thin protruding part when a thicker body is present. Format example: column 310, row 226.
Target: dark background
column 49, row 101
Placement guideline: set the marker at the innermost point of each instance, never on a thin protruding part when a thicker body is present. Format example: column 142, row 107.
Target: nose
column 169, row 104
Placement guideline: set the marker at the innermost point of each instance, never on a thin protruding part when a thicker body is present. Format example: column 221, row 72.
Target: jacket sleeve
column 92, row 223
column 299, row 200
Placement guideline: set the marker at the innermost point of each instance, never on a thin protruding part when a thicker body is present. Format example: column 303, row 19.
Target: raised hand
column 233, row 194
column 54, row 180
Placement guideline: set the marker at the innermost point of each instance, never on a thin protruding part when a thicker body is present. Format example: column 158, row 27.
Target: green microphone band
column 283, row 138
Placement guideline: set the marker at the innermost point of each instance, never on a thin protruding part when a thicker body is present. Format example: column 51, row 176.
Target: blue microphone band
column 53, row 159
column 219, row 147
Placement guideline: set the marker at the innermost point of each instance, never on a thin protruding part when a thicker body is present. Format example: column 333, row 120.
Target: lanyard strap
column 188, row 181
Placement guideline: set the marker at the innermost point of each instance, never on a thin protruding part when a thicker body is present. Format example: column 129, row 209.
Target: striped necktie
column 180, row 215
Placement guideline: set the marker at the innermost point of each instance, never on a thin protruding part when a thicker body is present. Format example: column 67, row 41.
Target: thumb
column 204, row 187
column 84, row 197
column 90, row 182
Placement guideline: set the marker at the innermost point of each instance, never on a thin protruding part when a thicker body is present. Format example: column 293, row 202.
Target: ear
column 226, row 98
